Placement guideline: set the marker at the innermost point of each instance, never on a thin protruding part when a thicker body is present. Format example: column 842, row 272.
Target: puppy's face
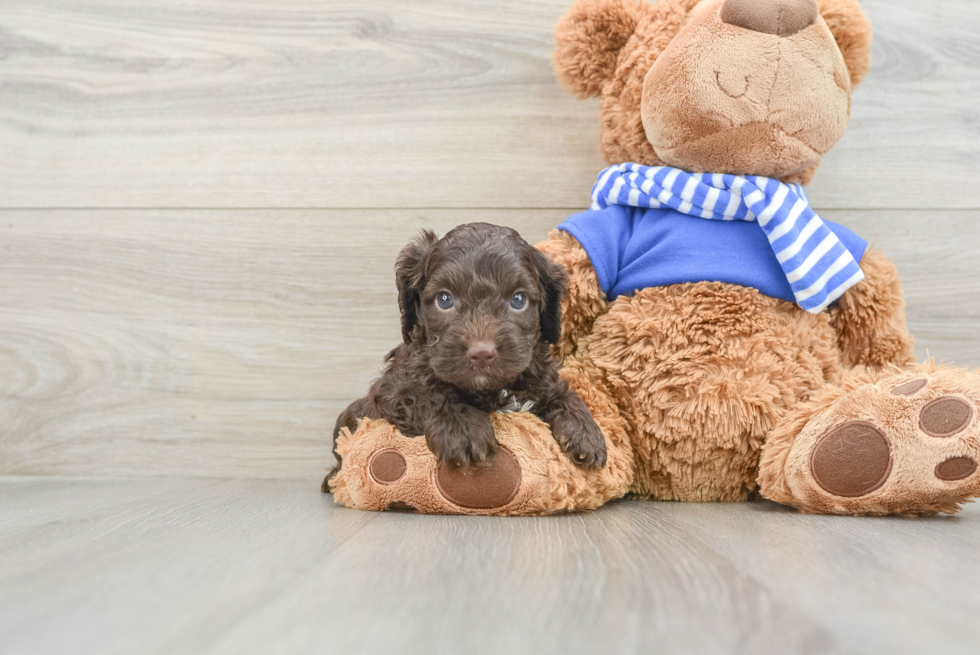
column 480, row 299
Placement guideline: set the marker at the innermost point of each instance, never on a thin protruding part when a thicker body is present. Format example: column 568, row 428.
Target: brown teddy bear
column 726, row 338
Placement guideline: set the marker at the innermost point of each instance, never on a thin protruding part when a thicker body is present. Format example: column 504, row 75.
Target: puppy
column 479, row 308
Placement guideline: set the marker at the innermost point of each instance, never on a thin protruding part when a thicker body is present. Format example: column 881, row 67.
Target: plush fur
column 548, row 482
column 725, row 99
column 913, row 487
column 595, row 55
column 716, row 391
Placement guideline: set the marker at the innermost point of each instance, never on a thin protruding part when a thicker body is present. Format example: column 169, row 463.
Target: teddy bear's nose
column 780, row 17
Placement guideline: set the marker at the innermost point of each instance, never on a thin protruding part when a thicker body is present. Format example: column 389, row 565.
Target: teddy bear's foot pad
column 892, row 446
column 404, row 476
column 851, row 460
column 489, row 486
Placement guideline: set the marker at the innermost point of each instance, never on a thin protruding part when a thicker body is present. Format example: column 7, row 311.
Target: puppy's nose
column 780, row 17
column 482, row 354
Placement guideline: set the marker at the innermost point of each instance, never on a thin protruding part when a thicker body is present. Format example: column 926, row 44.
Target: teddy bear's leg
column 870, row 317
column 703, row 372
column 905, row 441
column 584, row 300
column 383, row 470
column 529, row 475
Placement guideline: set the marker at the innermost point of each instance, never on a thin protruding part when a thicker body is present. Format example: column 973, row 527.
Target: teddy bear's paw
column 386, row 471
column 528, row 475
column 491, row 485
column 908, row 443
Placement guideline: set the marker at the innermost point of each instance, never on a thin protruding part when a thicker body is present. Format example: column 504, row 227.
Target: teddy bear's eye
column 518, row 302
column 445, row 301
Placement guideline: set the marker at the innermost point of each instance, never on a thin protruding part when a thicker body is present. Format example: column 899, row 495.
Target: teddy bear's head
column 753, row 87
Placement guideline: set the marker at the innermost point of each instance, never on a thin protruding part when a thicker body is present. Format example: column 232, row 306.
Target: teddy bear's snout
column 779, row 17
column 754, row 87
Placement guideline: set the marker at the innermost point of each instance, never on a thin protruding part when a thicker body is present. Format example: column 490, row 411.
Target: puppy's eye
column 518, row 302
column 445, row 301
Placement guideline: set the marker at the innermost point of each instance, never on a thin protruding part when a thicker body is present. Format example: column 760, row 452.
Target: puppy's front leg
column 460, row 435
column 574, row 429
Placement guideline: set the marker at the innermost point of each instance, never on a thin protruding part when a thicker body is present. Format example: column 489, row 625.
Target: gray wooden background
column 200, row 204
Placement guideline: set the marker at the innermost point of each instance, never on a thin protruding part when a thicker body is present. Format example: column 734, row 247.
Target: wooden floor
column 200, row 203
column 271, row 566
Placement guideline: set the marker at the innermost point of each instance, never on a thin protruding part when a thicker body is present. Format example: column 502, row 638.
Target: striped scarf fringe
column 817, row 265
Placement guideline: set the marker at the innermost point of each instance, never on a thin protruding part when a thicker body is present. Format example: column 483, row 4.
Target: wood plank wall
column 200, row 204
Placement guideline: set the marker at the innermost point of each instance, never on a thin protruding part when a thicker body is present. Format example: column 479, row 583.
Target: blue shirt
column 634, row 248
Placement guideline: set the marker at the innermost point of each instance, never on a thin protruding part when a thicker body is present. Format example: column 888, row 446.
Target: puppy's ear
column 553, row 281
column 410, row 279
column 852, row 31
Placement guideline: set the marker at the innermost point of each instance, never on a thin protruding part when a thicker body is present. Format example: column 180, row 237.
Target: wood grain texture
column 376, row 103
column 224, row 343
column 136, row 340
column 201, row 343
column 192, row 566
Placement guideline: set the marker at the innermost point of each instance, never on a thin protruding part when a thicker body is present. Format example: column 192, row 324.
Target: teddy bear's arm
column 870, row 318
column 584, row 300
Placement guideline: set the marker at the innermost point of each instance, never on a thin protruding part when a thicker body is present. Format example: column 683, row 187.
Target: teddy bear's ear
column 588, row 40
column 852, row 30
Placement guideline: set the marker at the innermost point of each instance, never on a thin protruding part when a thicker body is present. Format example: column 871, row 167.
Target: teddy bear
column 729, row 342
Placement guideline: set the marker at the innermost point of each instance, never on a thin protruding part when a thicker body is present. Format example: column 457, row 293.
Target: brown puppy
column 479, row 309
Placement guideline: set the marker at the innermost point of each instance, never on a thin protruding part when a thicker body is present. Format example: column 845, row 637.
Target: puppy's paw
column 581, row 439
column 462, row 440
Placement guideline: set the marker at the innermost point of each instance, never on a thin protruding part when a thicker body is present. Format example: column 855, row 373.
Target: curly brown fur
column 480, row 311
column 623, row 136
column 870, row 318
column 702, row 373
column 588, row 40
column 584, row 300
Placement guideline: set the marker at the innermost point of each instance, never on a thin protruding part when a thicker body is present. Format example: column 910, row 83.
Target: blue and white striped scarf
column 817, row 265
